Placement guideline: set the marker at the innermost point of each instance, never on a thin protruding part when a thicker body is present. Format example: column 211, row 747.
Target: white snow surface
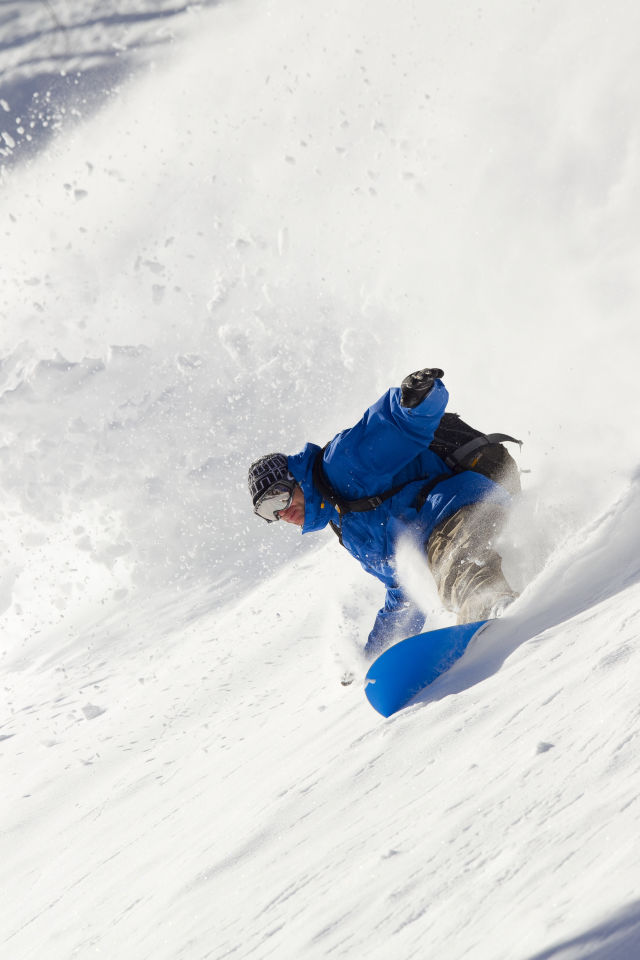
column 235, row 228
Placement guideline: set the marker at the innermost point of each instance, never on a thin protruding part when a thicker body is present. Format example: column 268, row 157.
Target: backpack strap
column 454, row 459
column 424, row 492
column 341, row 504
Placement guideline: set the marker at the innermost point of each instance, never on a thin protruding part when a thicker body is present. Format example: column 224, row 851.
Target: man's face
column 295, row 511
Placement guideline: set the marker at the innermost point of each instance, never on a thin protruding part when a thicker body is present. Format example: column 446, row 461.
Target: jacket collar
column 317, row 513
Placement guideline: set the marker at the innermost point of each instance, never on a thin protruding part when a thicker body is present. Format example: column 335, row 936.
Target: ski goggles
column 276, row 498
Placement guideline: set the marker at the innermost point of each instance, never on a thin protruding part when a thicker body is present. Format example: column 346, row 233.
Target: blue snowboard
column 412, row 664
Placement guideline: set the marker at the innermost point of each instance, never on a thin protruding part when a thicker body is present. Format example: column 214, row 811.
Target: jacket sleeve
column 399, row 618
column 385, row 440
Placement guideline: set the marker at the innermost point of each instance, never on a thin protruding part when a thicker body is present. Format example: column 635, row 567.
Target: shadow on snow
column 49, row 87
column 606, row 563
column 615, row 939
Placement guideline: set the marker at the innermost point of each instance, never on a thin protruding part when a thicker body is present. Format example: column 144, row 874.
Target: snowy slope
column 282, row 213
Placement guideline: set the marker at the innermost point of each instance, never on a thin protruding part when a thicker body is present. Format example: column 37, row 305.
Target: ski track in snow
column 226, row 229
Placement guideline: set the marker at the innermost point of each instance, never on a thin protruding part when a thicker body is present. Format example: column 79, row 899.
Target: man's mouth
column 291, row 514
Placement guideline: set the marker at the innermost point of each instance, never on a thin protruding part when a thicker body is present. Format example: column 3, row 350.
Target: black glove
column 416, row 386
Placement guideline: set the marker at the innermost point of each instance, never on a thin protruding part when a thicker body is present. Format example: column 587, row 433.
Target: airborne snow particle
column 91, row 711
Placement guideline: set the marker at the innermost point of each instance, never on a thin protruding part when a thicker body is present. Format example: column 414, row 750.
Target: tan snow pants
column 464, row 563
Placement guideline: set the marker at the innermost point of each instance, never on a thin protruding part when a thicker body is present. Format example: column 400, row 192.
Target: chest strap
column 342, row 505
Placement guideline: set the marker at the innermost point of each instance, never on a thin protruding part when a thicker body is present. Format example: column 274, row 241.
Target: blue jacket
column 389, row 446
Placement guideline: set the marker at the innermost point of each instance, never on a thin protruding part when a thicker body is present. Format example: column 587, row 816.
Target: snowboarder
column 381, row 479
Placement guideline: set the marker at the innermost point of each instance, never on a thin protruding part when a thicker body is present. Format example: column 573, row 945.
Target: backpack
column 464, row 448
column 459, row 445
